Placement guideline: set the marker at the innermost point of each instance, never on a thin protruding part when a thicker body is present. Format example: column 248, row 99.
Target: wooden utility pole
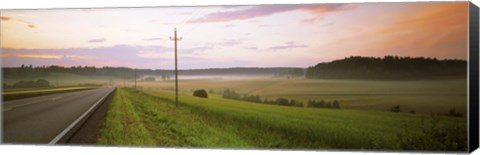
column 175, row 39
column 135, row 77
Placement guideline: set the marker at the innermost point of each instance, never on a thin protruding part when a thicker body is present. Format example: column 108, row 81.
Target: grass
column 26, row 93
column 65, row 79
column 150, row 118
column 421, row 96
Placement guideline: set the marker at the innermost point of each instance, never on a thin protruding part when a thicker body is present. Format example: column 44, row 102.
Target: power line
column 201, row 22
column 194, row 13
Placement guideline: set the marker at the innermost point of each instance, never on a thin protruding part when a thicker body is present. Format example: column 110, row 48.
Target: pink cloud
column 287, row 45
column 99, row 40
column 267, row 10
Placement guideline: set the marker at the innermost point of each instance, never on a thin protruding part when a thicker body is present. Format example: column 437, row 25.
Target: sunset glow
column 233, row 36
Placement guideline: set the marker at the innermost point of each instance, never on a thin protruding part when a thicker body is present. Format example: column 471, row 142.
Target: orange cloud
column 49, row 56
column 5, row 18
column 437, row 27
column 41, row 56
column 421, row 29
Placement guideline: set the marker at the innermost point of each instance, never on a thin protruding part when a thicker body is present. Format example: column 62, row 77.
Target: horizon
column 294, row 35
column 235, row 67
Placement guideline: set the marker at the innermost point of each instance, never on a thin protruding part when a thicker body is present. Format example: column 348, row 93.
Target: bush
column 454, row 113
column 42, row 83
column 252, row 98
column 200, row 93
column 231, row 94
column 395, row 109
column 336, row 104
column 149, row 79
column 282, row 101
column 29, row 84
column 316, row 104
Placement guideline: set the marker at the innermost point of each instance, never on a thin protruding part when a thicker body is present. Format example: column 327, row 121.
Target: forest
column 32, row 71
column 388, row 67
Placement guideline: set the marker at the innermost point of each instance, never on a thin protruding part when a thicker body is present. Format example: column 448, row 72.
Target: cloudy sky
column 233, row 36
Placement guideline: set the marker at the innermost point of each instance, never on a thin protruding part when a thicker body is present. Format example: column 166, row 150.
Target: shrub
column 30, row 84
column 252, row 98
column 200, row 93
column 282, row 101
column 395, row 109
column 454, row 113
column 231, row 94
column 336, row 104
column 150, row 79
column 42, row 83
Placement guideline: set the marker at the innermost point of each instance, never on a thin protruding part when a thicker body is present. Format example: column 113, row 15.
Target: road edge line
column 79, row 119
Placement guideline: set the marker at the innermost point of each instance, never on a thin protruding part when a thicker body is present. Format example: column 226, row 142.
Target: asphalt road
column 38, row 120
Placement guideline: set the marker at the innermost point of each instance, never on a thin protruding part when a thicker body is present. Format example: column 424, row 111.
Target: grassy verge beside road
column 150, row 118
column 25, row 93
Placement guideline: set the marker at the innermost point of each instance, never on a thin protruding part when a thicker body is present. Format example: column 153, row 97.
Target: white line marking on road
column 70, row 127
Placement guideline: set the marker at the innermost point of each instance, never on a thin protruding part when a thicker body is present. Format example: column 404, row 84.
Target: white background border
column 83, row 150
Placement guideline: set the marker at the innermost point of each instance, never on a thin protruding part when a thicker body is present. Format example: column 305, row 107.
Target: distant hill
column 388, row 67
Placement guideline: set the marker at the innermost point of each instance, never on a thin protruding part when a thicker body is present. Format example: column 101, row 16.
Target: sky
column 232, row 36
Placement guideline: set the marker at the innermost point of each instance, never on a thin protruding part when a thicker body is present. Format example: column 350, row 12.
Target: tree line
column 231, row 94
column 388, row 67
column 29, row 70
column 28, row 84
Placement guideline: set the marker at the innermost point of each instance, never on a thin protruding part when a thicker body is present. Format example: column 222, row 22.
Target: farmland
column 422, row 96
column 149, row 118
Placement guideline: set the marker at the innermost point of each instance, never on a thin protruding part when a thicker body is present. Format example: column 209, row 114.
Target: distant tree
column 231, row 94
column 150, row 79
column 165, row 77
column 200, row 93
column 328, row 105
column 388, row 67
column 336, row 104
column 252, row 98
column 316, row 104
column 395, row 108
column 282, row 101
column 454, row 113
column 42, row 83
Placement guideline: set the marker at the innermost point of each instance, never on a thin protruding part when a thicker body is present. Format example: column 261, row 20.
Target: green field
column 421, row 96
column 150, row 118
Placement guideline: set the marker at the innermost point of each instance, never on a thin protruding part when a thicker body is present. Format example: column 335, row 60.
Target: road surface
column 38, row 120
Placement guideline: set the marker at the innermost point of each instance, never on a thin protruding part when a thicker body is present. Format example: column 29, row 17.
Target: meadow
column 436, row 96
column 65, row 79
column 149, row 117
